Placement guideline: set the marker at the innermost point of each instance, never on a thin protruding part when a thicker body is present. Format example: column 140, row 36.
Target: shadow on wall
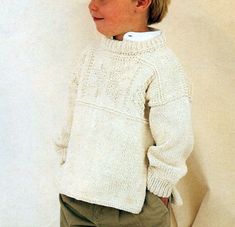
column 193, row 188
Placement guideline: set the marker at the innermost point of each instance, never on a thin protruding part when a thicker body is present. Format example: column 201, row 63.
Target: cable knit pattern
column 129, row 124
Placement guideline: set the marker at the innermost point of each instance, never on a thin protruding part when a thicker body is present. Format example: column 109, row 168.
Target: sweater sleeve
column 62, row 137
column 169, row 101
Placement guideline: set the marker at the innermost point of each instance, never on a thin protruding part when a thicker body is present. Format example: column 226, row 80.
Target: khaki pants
column 80, row 213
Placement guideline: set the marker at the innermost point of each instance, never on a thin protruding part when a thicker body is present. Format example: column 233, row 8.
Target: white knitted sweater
column 129, row 124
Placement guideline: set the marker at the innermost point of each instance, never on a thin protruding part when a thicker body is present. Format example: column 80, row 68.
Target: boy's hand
column 165, row 200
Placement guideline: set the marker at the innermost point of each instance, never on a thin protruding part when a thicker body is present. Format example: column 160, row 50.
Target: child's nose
column 92, row 6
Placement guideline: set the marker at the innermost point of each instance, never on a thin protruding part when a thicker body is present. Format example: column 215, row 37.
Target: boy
column 129, row 128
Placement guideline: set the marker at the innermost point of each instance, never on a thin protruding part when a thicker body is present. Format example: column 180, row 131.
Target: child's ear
column 143, row 3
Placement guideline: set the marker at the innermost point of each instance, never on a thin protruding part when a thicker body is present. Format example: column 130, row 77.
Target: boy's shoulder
column 161, row 56
column 87, row 49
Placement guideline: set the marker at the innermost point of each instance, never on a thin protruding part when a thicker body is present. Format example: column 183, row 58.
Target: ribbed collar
column 130, row 47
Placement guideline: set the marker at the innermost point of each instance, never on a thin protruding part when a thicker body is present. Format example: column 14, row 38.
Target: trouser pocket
column 153, row 213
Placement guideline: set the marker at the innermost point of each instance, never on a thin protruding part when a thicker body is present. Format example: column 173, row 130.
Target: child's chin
column 104, row 33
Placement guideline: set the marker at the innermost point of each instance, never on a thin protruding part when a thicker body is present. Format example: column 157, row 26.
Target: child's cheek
column 112, row 14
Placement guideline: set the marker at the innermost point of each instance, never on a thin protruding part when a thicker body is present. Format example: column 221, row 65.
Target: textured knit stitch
column 129, row 124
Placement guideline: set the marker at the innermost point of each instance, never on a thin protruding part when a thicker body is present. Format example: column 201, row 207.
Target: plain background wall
column 39, row 44
column 202, row 33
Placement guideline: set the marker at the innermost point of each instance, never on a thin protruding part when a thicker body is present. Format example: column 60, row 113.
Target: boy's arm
column 171, row 128
column 170, row 104
column 62, row 139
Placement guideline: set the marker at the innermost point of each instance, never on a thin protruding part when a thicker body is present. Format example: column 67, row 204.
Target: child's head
column 121, row 16
column 157, row 11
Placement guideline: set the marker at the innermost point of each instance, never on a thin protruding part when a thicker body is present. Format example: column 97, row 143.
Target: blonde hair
column 157, row 11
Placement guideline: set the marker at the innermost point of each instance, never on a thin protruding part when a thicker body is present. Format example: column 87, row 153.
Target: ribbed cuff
column 61, row 141
column 61, row 150
column 158, row 186
column 63, row 156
